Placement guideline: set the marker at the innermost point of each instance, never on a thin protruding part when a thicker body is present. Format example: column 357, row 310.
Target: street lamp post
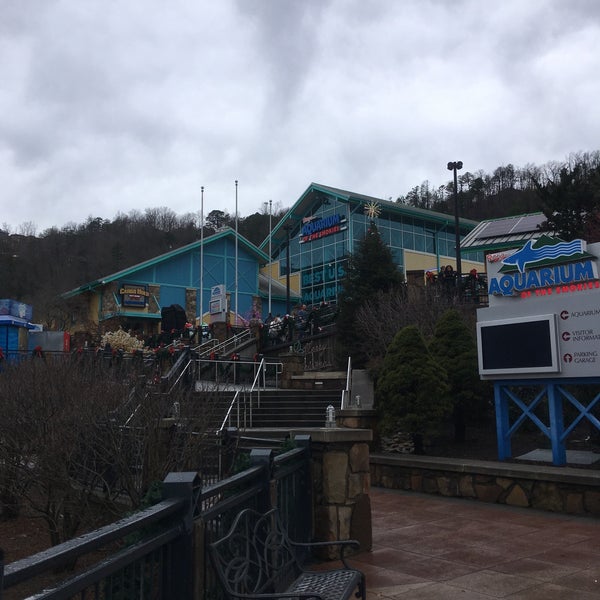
column 456, row 166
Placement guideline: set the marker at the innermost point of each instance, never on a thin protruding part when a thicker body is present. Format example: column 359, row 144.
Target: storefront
column 315, row 238
column 326, row 224
column 135, row 298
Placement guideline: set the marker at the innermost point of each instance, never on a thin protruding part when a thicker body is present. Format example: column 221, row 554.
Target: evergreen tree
column 572, row 202
column 411, row 392
column 455, row 349
column 370, row 269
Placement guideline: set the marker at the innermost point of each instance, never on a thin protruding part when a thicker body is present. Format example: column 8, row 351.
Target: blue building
column 134, row 298
column 15, row 324
column 326, row 224
column 309, row 247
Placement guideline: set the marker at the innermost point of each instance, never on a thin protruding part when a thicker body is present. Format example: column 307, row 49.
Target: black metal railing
column 157, row 553
column 138, row 556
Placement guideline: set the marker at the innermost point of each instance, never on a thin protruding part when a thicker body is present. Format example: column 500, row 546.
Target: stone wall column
column 341, row 480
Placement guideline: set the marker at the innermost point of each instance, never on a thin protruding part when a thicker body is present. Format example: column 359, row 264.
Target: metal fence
column 159, row 553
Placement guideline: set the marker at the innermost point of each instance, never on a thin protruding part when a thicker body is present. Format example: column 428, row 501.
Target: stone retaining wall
column 558, row 489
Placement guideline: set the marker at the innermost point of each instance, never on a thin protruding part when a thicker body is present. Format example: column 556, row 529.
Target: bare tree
column 383, row 315
column 80, row 439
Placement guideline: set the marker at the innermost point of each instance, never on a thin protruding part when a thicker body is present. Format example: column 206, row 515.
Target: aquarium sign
column 547, row 265
column 315, row 229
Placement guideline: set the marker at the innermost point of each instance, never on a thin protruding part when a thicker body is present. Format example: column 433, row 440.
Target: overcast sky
column 118, row 105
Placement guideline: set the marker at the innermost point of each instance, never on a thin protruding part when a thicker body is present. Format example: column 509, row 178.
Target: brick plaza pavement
column 427, row 547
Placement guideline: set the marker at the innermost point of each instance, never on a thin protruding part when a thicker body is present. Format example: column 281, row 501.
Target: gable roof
column 312, row 196
column 226, row 232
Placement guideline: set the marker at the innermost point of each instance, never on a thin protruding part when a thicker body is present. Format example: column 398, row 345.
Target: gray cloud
column 112, row 106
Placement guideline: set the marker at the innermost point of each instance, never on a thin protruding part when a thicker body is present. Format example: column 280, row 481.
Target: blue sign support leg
column 559, row 452
column 502, row 423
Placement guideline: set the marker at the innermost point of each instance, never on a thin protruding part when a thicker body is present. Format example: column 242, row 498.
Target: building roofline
column 226, row 232
column 299, row 209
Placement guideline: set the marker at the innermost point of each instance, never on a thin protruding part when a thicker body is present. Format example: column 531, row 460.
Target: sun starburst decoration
column 372, row 209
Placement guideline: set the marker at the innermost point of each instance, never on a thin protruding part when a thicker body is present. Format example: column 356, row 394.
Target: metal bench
column 256, row 559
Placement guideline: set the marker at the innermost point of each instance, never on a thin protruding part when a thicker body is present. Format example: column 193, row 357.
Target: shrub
column 455, row 349
column 412, row 390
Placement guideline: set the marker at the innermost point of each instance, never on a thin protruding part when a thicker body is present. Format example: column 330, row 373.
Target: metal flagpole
column 201, row 264
column 270, row 258
column 236, row 250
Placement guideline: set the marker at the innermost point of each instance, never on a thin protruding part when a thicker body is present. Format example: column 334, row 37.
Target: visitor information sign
column 543, row 318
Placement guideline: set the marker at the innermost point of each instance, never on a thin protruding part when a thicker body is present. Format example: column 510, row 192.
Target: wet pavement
column 427, row 546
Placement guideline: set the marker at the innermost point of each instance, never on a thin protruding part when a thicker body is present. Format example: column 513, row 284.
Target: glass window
column 396, row 237
column 329, row 253
column 430, row 243
column 420, row 243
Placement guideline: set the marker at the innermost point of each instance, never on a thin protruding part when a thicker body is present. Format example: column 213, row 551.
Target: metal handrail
column 254, row 387
column 261, row 369
column 234, row 342
column 206, row 347
column 231, row 405
column 346, row 392
column 181, row 374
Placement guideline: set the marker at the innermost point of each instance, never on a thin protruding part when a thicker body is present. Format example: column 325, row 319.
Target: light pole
column 456, row 166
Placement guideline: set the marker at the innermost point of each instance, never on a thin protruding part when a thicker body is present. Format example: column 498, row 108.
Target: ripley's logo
column 545, row 262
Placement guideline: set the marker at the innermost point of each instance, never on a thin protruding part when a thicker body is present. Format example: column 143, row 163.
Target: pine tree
column 455, row 350
column 411, row 392
column 572, row 202
column 370, row 269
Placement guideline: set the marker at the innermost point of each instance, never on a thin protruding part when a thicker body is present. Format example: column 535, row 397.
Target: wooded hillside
column 37, row 268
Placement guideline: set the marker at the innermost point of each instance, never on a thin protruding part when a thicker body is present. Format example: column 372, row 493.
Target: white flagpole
column 236, row 251
column 201, row 263
column 270, row 259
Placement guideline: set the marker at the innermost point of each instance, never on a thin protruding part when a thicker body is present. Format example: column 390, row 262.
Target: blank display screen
column 521, row 346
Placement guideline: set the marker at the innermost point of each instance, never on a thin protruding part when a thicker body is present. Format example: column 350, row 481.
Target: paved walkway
column 427, row 547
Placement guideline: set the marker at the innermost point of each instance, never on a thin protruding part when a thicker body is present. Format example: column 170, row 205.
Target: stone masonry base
column 558, row 489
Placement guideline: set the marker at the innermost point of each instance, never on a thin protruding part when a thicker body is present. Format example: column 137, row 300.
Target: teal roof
column 311, row 196
column 261, row 257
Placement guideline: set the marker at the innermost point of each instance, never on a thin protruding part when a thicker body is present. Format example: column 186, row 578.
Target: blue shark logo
column 545, row 251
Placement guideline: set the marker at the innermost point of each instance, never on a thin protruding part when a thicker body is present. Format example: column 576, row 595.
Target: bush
column 455, row 350
column 412, row 390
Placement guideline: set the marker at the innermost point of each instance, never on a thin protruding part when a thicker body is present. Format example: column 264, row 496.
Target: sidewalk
column 427, row 547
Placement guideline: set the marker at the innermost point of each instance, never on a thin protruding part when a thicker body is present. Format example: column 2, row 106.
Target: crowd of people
column 302, row 322
column 472, row 286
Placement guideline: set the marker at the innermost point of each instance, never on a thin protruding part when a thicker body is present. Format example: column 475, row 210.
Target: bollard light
column 330, row 416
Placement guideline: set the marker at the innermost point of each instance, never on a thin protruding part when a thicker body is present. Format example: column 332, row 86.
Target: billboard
column 543, row 318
